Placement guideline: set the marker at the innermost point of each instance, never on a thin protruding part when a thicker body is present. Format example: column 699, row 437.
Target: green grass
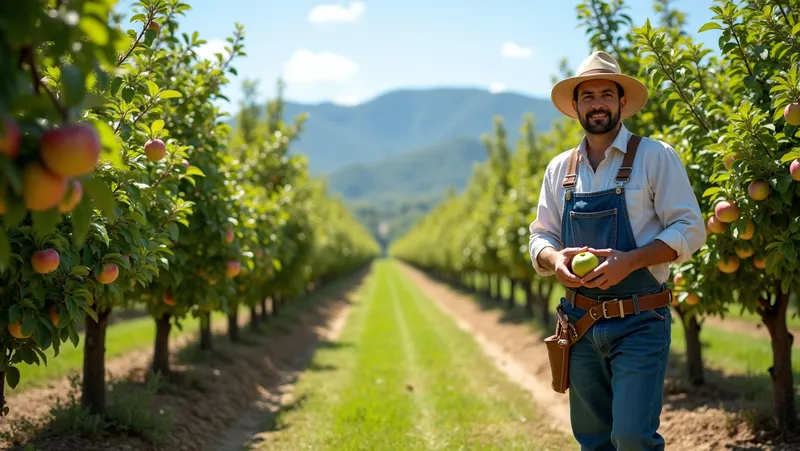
column 121, row 337
column 403, row 374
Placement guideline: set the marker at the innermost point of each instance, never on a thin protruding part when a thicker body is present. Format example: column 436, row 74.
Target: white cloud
column 324, row 67
column 336, row 13
column 347, row 100
column 496, row 87
column 514, row 51
column 207, row 50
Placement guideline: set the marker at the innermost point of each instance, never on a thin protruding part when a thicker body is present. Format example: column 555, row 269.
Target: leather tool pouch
column 558, row 346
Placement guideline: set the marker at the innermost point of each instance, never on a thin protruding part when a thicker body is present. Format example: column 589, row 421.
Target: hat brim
column 635, row 93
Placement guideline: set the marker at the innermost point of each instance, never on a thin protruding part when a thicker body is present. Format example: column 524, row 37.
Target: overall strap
column 624, row 173
column 572, row 174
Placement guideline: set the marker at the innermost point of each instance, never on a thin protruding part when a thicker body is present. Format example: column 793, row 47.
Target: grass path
column 402, row 375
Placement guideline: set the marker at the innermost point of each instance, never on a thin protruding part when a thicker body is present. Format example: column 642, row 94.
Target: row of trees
column 732, row 113
column 120, row 184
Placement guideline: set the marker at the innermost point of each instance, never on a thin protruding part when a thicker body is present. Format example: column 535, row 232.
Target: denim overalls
column 617, row 368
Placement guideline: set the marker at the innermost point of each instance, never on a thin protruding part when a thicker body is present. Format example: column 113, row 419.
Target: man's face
column 598, row 106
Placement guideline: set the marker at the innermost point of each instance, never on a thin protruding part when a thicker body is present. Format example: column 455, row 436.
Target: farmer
column 628, row 200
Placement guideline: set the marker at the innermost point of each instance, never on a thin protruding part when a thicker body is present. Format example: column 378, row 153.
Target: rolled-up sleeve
column 545, row 230
column 676, row 206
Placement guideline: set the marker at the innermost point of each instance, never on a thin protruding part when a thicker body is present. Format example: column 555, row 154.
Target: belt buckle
column 621, row 308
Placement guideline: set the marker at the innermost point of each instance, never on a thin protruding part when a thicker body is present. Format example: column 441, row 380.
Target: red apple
column 71, row 150
column 233, row 268
column 10, row 138
column 155, row 26
column 229, row 235
column 678, row 280
column 155, row 149
column 169, row 299
column 109, row 273
column 45, row 261
column 72, row 199
column 744, row 251
column 726, row 211
column 729, row 264
column 794, row 169
column 42, row 189
column 749, row 230
column 792, row 114
column 728, row 161
column 758, row 190
column 714, row 225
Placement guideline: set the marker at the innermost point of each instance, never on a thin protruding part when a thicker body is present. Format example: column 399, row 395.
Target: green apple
column 583, row 263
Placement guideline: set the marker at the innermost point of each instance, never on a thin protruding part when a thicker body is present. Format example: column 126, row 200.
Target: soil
column 206, row 395
column 706, row 418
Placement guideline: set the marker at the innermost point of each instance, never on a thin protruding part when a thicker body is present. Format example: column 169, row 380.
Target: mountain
column 427, row 171
column 336, row 136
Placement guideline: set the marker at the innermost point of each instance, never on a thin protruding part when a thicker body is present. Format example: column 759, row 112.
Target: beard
column 602, row 125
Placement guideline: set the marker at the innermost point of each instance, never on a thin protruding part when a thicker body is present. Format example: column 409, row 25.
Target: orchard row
column 731, row 113
column 121, row 184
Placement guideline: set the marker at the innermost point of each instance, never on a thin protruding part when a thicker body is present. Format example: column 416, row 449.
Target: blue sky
column 350, row 51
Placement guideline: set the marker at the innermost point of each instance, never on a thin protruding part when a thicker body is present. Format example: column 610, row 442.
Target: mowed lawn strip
column 403, row 376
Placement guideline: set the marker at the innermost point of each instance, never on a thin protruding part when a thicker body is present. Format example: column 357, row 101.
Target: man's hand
column 617, row 266
column 560, row 262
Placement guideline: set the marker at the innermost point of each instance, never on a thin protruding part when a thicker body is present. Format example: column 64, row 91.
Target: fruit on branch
column 678, row 280
column 726, row 211
column 72, row 199
column 55, row 317
column 729, row 264
column 169, row 299
column 233, row 269
column 155, row 26
column 792, row 114
column 714, row 225
column 692, row 299
column 794, row 169
column 185, row 164
column 758, row 190
column 728, row 161
column 759, row 262
column 72, row 150
column 108, row 274
column 744, row 251
column 583, row 263
column 749, row 231
column 155, row 149
column 15, row 329
column 10, row 138
column 45, row 261
column 42, row 189
column 229, row 235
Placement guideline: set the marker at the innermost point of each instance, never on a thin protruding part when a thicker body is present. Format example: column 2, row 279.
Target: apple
column 794, row 169
column 759, row 262
column 15, row 329
column 45, row 261
column 42, row 189
column 55, row 317
column 714, row 225
column 233, row 268
column 678, row 280
column 169, row 299
column 229, row 235
column 10, row 138
column 108, row 274
column 728, row 265
column 692, row 299
column 72, row 199
column 726, row 211
column 155, row 149
column 744, row 251
column 583, row 263
column 155, row 26
column 728, row 161
column 792, row 114
column 758, row 189
column 749, row 231
column 71, row 150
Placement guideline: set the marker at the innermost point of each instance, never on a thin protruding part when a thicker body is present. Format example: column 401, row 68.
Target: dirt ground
column 692, row 419
column 221, row 399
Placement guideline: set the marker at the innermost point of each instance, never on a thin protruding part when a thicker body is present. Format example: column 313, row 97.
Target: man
column 628, row 200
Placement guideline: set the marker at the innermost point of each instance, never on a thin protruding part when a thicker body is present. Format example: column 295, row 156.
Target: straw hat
column 599, row 65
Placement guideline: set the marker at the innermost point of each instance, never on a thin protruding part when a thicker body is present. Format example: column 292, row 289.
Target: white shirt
column 660, row 201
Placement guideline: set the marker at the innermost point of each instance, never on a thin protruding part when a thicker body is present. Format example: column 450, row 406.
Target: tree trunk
column 93, row 395
column 264, row 311
column 205, row 332
column 161, row 351
column 276, row 304
column 694, row 350
column 233, row 325
column 511, row 301
column 526, row 286
column 784, row 411
column 495, row 290
column 254, row 319
column 544, row 301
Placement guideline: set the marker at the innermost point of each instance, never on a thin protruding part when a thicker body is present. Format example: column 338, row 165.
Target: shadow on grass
column 207, row 391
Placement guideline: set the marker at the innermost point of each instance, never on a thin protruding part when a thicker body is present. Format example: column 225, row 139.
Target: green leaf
column 81, row 217
column 111, row 149
column 710, row 26
column 95, row 30
column 92, row 314
column 170, row 94
column 44, row 338
column 12, row 376
column 194, row 170
column 73, row 82
column 45, row 222
column 157, row 126
column 14, row 314
column 101, row 193
column 5, row 249
column 28, row 324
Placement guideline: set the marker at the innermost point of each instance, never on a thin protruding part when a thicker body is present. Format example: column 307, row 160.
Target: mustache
column 597, row 111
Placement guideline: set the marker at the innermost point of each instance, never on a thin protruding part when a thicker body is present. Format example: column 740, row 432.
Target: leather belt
column 612, row 308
